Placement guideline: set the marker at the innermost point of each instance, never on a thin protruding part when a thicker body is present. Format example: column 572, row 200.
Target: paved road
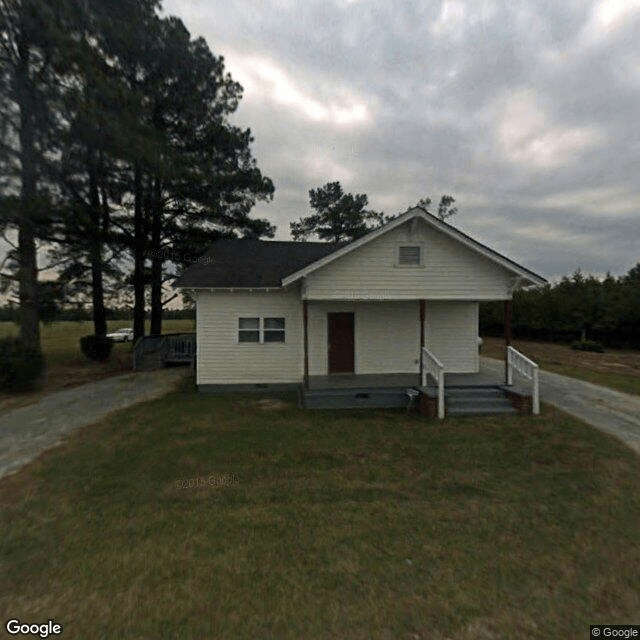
column 611, row 411
column 27, row 431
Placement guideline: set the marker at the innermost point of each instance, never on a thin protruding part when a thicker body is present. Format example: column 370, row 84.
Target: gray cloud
column 525, row 112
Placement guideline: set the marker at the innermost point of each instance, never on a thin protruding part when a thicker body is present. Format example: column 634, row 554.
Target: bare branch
column 168, row 300
column 4, row 237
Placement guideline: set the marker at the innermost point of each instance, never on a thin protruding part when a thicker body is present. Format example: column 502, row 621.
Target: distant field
column 618, row 369
column 67, row 366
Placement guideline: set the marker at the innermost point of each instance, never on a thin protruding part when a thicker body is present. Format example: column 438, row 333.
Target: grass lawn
column 67, row 366
column 615, row 368
column 201, row 517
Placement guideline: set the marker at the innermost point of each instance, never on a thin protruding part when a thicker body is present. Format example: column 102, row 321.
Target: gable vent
column 409, row 255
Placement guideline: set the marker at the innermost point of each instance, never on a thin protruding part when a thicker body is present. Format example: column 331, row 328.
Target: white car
column 121, row 335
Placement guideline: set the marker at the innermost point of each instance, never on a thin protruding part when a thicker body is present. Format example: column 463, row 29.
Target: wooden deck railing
column 171, row 348
column 179, row 347
column 528, row 369
column 433, row 367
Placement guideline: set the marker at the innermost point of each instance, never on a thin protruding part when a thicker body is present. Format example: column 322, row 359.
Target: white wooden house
column 286, row 313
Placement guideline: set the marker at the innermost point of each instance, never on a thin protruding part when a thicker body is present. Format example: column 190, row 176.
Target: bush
column 96, row 347
column 587, row 345
column 20, row 366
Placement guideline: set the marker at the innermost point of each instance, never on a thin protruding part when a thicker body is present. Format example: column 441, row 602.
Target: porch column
column 306, row 343
column 422, row 308
column 507, row 337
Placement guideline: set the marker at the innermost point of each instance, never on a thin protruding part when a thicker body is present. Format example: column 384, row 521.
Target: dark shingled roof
column 251, row 263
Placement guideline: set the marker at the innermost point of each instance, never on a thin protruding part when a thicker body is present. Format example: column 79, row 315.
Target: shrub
column 96, row 347
column 587, row 345
column 20, row 366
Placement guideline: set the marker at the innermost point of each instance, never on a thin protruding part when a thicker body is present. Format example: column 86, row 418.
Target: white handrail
column 527, row 368
column 431, row 365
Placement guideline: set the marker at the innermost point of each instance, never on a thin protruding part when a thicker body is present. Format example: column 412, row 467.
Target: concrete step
column 469, row 401
column 481, row 411
column 474, row 392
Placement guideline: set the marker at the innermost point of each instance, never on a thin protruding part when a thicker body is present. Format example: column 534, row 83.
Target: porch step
column 477, row 401
column 362, row 398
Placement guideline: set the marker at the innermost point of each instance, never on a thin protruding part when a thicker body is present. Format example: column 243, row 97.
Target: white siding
column 451, row 330
column 450, row 271
column 223, row 360
column 387, row 336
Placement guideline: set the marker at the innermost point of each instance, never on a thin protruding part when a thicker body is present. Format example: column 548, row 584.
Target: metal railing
column 433, row 367
column 527, row 368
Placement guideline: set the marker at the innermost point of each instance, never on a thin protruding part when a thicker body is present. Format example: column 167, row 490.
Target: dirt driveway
column 606, row 409
column 27, row 431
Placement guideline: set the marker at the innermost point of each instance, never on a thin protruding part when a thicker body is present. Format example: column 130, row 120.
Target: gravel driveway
column 27, row 431
column 611, row 411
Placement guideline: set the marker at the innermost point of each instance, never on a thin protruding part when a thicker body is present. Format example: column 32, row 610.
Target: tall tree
column 338, row 216
column 33, row 42
column 203, row 180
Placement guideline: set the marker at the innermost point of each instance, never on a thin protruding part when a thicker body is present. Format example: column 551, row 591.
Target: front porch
column 463, row 394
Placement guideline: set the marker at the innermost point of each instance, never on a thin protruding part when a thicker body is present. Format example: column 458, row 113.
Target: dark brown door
column 340, row 332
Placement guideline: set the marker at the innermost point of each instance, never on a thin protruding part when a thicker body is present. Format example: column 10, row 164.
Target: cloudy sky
column 527, row 112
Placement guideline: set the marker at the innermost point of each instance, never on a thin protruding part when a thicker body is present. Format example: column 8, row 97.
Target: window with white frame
column 409, row 255
column 261, row 330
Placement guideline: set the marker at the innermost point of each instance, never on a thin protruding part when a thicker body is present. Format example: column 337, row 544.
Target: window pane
column 274, row 323
column 409, row 255
column 274, row 336
column 249, row 323
column 248, row 336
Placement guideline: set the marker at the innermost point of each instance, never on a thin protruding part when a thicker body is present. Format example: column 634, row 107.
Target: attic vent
column 409, row 255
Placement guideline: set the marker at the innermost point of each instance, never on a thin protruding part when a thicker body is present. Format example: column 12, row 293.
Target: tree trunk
column 27, row 252
column 156, row 261
column 97, row 287
column 138, row 256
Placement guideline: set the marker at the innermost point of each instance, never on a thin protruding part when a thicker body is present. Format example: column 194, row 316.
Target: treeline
column 10, row 314
column 579, row 307
column 117, row 159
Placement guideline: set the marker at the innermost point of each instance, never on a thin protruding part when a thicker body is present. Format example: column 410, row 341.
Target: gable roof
column 418, row 212
column 272, row 264
column 251, row 263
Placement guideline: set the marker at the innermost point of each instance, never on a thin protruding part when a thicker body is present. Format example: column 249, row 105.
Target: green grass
column 66, row 365
column 619, row 381
column 340, row 525
column 561, row 359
